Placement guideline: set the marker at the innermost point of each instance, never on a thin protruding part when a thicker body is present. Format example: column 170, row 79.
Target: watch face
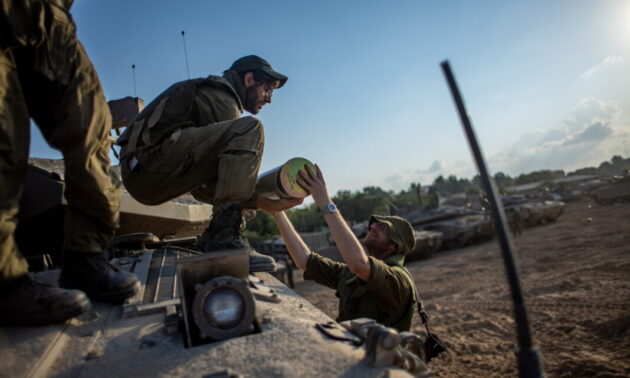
column 331, row 207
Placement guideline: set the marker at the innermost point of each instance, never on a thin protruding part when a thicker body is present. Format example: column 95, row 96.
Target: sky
column 546, row 83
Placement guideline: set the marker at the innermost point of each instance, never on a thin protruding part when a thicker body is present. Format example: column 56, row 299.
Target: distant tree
column 564, row 187
column 262, row 226
column 450, row 185
column 476, row 181
column 537, row 176
column 359, row 206
column 374, row 191
column 406, row 200
column 439, row 182
column 307, row 219
column 473, row 191
column 605, row 169
column 584, row 171
column 502, row 180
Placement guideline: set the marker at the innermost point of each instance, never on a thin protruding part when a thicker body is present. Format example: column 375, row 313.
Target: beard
column 375, row 249
column 251, row 101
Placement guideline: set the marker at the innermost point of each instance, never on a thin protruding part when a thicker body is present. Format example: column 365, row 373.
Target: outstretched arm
column 295, row 245
column 349, row 246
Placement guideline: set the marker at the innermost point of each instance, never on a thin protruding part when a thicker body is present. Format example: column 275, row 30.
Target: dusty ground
column 576, row 278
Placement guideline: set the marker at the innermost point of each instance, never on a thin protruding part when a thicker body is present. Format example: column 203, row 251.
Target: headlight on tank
column 223, row 308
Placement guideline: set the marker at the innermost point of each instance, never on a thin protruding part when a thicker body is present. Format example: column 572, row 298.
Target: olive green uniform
column 191, row 139
column 387, row 297
column 46, row 74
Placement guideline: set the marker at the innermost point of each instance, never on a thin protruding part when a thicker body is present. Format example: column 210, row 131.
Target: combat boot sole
column 117, row 295
column 30, row 303
column 269, row 268
column 261, row 263
column 47, row 317
column 99, row 279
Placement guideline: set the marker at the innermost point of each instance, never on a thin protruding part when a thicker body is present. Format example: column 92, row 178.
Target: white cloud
column 586, row 137
column 436, row 166
column 591, row 110
column 608, row 62
column 592, row 132
column 402, row 180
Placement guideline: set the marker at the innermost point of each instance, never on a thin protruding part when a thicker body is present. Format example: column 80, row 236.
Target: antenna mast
column 185, row 53
column 133, row 71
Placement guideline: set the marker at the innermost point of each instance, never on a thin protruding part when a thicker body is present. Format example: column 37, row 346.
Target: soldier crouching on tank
column 192, row 138
column 372, row 283
column 46, row 75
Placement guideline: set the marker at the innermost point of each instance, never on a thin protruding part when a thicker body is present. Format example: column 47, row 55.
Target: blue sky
column 546, row 82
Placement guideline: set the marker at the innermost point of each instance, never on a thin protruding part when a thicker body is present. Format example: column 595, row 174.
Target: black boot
column 100, row 280
column 225, row 232
column 28, row 302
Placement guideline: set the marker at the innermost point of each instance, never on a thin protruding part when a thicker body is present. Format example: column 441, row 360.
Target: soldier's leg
column 231, row 191
column 219, row 163
column 22, row 300
column 14, row 144
column 71, row 111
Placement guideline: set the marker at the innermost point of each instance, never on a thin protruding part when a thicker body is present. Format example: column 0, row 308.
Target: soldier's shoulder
column 405, row 275
column 218, row 82
column 221, row 84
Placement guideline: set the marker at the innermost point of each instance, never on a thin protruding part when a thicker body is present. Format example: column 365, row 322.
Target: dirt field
column 575, row 274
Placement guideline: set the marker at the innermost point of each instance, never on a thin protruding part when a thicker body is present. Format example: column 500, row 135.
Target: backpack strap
column 424, row 316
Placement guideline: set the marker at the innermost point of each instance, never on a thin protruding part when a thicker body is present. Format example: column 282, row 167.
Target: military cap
column 253, row 62
column 399, row 230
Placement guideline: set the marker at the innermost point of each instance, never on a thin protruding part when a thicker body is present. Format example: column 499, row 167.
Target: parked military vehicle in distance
column 533, row 213
column 616, row 190
column 462, row 230
column 427, row 243
column 449, row 227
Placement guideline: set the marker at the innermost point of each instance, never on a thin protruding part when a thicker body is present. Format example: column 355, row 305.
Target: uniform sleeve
column 389, row 285
column 214, row 105
column 323, row 270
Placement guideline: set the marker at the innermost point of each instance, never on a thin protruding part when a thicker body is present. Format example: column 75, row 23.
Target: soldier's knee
column 253, row 126
column 250, row 136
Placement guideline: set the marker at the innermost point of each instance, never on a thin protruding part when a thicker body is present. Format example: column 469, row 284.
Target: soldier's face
column 377, row 241
column 257, row 95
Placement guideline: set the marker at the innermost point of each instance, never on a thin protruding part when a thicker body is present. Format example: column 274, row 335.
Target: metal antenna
column 185, row 53
column 626, row 148
column 528, row 356
column 133, row 70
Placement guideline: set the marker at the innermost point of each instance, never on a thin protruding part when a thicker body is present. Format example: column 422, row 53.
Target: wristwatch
column 329, row 208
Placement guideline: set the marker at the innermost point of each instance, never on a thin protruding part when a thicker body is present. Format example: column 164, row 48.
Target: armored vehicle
column 617, row 190
column 197, row 314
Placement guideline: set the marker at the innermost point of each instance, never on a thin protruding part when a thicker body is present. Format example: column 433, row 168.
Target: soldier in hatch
column 192, row 138
column 372, row 283
column 46, row 75
column 434, row 198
